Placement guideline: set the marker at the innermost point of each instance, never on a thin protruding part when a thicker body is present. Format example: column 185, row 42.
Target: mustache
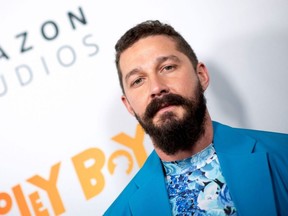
column 166, row 100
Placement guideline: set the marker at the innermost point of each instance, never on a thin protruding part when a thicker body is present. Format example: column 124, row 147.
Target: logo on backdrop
column 66, row 56
column 88, row 165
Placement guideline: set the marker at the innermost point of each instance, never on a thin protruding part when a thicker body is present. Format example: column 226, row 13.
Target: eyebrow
column 162, row 59
column 159, row 60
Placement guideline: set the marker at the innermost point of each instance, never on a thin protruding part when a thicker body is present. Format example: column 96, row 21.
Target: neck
column 203, row 142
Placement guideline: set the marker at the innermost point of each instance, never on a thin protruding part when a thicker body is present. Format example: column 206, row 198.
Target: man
column 199, row 167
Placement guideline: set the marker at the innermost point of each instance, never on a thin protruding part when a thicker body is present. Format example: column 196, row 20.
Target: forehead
column 158, row 42
column 147, row 49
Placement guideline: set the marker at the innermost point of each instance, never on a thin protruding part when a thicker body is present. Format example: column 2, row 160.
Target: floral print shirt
column 196, row 186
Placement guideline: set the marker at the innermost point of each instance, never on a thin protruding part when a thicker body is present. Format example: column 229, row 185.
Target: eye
column 169, row 68
column 137, row 82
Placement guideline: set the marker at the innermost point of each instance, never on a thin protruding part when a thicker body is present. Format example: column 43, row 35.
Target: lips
column 164, row 108
column 162, row 103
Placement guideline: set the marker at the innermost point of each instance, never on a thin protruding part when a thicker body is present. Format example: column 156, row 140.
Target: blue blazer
column 254, row 164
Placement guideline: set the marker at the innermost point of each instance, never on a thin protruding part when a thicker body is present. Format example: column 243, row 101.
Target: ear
column 127, row 105
column 203, row 75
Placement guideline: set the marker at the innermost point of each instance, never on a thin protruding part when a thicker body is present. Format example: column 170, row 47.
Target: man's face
column 165, row 93
column 152, row 68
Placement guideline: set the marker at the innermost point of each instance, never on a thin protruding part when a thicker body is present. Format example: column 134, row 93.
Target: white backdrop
column 62, row 123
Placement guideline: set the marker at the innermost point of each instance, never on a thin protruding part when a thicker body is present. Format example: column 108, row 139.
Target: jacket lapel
column 151, row 198
column 246, row 172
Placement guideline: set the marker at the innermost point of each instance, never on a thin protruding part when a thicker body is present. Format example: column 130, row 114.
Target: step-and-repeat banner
column 67, row 144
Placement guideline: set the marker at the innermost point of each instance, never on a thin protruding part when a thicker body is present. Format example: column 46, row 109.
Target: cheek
column 138, row 105
column 140, row 108
column 185, row 89
column 188, row 86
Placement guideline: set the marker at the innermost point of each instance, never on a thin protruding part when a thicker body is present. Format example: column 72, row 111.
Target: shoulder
column 275, row 144
column 272, row 142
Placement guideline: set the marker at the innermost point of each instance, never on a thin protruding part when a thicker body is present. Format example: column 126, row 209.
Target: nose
column 158, row 88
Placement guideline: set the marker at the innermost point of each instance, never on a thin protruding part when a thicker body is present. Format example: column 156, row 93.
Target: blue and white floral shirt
column 196, row 186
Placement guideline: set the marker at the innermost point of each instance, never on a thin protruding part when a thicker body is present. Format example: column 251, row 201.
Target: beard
column 174, row 134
